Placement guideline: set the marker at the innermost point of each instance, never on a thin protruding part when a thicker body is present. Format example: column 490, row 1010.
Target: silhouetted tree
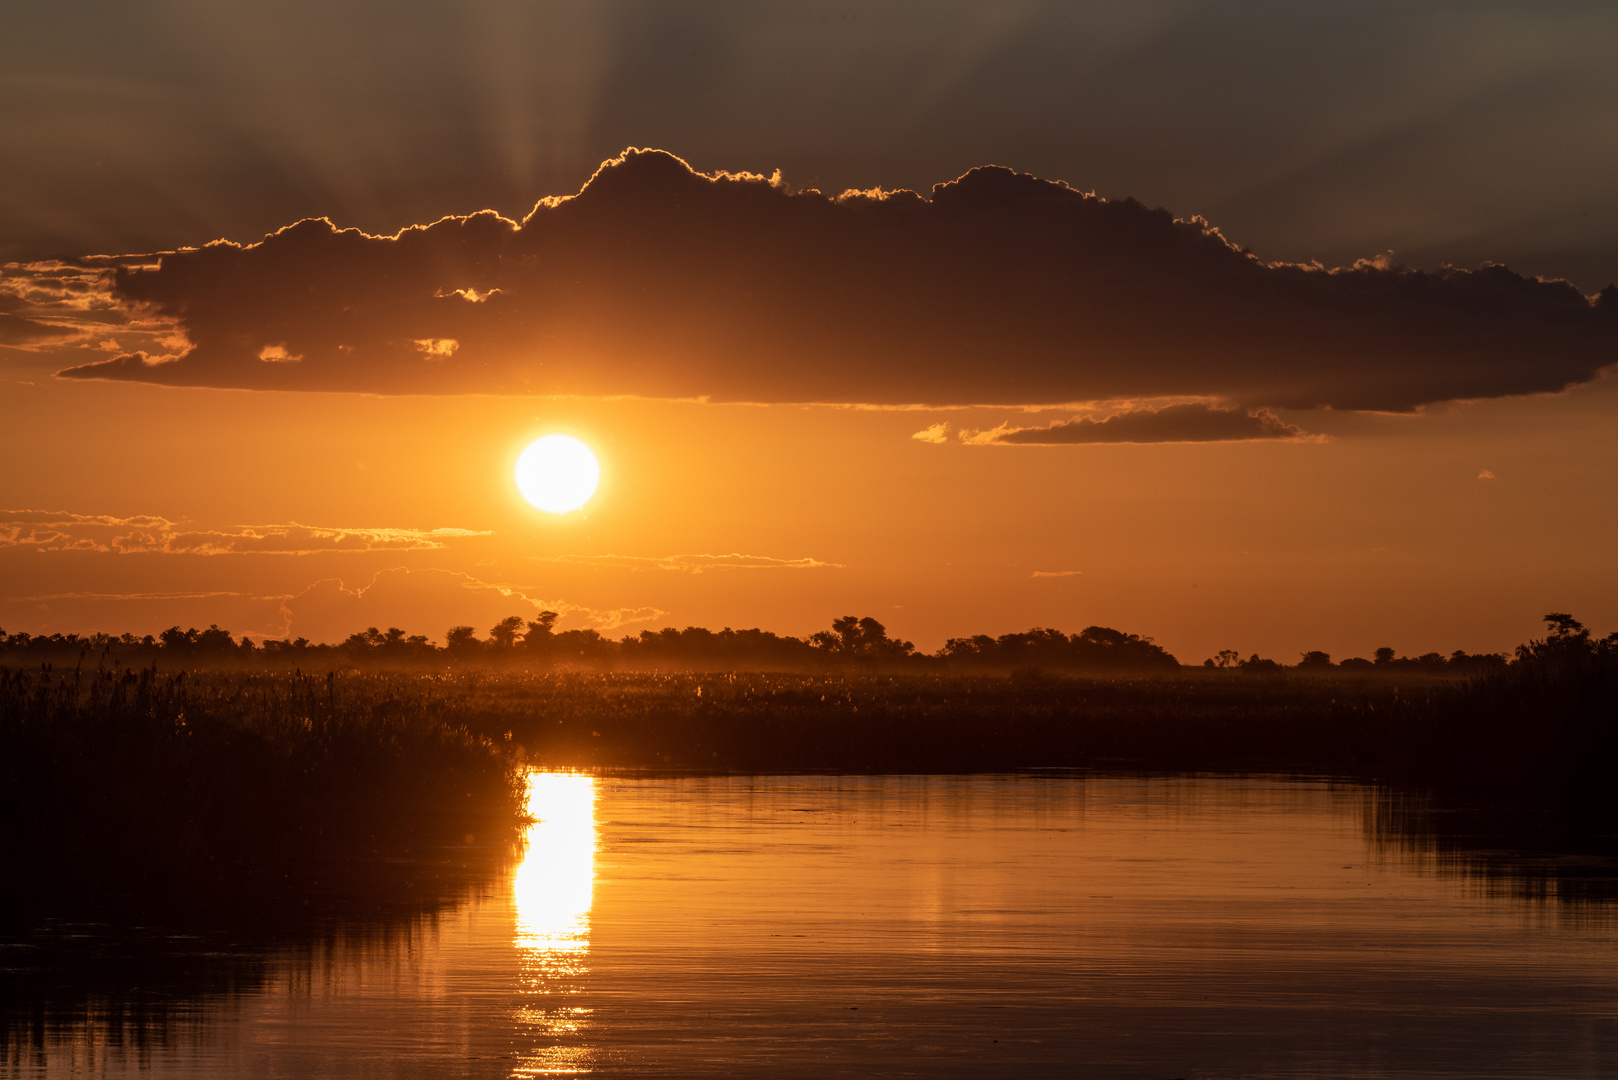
column 860, row 639
column 1316, row 659
column 540, row 630
column 461, row 640
column 214, row 639
column 503, row 634
column 176, row 640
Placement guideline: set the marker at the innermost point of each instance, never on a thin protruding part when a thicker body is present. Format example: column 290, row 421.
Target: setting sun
column 557, row 473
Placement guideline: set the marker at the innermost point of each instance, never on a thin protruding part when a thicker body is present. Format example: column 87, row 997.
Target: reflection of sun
column 553, row 889
column 557, row 875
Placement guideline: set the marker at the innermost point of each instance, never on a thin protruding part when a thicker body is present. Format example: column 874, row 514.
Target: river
column 1039, row 925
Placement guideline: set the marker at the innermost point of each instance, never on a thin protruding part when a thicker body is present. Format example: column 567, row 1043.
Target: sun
column 557, row 473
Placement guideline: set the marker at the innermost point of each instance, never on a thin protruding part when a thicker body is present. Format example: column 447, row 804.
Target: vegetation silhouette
column 852, row 643
column 235, row 778
column 239, row 792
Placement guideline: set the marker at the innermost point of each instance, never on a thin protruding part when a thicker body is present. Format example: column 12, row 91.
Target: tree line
column 851, row 641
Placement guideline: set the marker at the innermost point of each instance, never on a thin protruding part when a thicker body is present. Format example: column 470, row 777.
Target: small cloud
column 691, row 564
column 438, row 348
column 471, row 296
column 936, row 434
column 1191, row 422
column 1485, row 475
column 1056, row 573
column 277, row 354
column 620, row 617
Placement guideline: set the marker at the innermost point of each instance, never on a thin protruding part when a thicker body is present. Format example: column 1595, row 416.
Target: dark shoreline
column 215, row 787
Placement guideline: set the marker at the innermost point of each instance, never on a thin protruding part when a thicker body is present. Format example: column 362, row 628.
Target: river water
column 891, row 926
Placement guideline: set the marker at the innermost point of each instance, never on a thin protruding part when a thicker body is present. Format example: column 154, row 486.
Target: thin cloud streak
column 48, row 530
column 1184, row 423
column 691, row 564
column 404, row 596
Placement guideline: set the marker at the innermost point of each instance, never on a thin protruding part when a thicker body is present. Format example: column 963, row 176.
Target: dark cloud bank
column 1001, row 289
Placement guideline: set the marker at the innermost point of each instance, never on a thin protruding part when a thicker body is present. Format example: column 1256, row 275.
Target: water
column 909, row 926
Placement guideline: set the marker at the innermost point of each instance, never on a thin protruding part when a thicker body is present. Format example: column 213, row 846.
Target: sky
column 1272, row 327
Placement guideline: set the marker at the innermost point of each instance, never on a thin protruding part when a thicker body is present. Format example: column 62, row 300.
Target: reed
column 234, row 791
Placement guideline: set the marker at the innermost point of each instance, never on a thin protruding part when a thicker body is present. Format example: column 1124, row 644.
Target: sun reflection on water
column 552, row 890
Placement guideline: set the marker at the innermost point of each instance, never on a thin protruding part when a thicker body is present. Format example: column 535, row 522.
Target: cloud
column 937, row 434
column 49, row 304
column 691, row 564
column 1485, row 474
column 1001, row 289
column 420, row 600
column 1056, row 573
column 1191, row 422
column 143, row 612
column 48, row 530
column 428, row 601
column 16, row 330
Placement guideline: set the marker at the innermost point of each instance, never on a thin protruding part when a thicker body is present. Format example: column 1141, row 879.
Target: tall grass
column 228, row 791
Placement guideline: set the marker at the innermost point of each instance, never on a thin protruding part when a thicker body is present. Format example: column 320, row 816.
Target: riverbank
column 218, row 787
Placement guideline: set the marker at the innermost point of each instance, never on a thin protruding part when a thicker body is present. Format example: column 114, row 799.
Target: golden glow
column 557, row 876
column 557, row 473
column 552, row 891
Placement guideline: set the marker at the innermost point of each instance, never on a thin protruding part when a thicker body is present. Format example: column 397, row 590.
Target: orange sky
column 1388, row 456
column 786, row 516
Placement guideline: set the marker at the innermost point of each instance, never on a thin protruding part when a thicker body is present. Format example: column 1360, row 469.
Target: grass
column 240, row 792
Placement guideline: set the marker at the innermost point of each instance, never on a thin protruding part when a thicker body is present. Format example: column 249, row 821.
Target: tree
column 461, row 639
column 540, row 630
column 503, row 634
column 178, row 640
column 1316, row 659
column 214, row 639
column 862, row 639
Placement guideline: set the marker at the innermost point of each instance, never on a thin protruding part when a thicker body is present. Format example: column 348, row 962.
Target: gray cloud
column 1450, row 132
column 1001, row 289
column 1192, row 422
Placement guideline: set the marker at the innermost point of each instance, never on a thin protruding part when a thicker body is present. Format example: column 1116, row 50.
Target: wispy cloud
column 937, row 433
column 434, row 598
column 1056, row 573
column 1187, row 422
column 45, row 305
column 52, row 530
column 691, row 564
